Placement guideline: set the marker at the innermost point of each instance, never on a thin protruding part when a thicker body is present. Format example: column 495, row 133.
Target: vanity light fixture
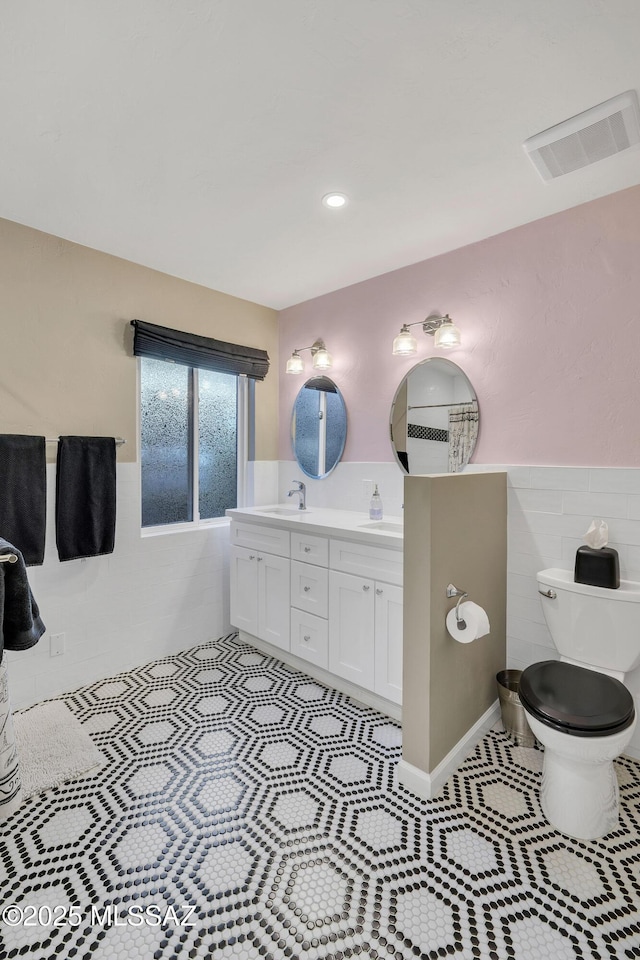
column 442, row 328
column 321, row 358
column 405, row 344
column 295, row 363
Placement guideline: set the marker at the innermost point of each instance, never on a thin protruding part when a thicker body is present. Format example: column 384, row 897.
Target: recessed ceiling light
column 335, row 200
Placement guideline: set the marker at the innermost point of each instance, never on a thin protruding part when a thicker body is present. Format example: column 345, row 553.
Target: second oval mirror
column 434, row 418
column 318, row 427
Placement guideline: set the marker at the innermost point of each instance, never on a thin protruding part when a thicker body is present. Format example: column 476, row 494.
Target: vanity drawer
column 310, row 549
column 310, row 588
column 256, row 536
column 310, row 637
column 364, row 560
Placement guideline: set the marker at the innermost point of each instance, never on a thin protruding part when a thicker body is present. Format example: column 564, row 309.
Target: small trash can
column 514, row 719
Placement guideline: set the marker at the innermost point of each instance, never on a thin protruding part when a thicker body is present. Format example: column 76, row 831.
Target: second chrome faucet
column 299, row 491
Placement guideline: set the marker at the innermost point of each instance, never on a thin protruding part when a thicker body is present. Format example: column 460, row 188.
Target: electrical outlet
column 367, row 489
column 56, row 644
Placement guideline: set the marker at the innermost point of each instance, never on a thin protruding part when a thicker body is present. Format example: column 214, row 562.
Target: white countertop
column 353, row 524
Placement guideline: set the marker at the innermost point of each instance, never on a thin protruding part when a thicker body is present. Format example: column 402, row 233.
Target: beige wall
column 65, row 343
column 455, row 531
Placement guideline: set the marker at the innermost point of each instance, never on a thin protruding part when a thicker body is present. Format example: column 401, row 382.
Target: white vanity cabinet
column 332, row 602
column 365, row 633
column 365, row 627
column 260, row 583
column 351, row 632
column 388, row 642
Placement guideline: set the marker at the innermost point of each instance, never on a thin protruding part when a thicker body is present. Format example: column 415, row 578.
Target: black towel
column 85, row 497
column 20, row 623
column 23, row 494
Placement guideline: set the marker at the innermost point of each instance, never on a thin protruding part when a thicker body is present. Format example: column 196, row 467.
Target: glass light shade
column 448, row 335
column 405, row 343
column 322, row 359
column 295, row 363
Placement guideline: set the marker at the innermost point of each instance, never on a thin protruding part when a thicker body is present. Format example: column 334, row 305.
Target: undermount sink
column 390, row 525
column 284, row 512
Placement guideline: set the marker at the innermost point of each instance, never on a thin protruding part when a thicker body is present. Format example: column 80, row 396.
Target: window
column 188, row 442
column 196, row 418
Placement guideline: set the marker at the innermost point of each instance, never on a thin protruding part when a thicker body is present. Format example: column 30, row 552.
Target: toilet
column 578, row 706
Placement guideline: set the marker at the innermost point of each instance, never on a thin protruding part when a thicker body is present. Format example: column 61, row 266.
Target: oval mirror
column 318, row 427
column 434, row 418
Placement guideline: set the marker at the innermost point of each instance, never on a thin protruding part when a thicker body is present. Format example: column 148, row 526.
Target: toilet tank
column 592, row 625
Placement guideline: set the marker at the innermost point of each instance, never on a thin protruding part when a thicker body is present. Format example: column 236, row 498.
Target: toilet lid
column 582, row 702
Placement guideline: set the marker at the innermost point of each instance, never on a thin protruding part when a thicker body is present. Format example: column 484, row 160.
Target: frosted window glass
column 166, row 452
column 218, row 467
column 307, row 430
column 335, row 429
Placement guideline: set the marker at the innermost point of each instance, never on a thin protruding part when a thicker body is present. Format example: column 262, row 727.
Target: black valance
column 162, row 343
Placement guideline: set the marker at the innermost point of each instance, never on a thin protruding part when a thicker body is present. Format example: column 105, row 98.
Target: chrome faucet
column 300, row 491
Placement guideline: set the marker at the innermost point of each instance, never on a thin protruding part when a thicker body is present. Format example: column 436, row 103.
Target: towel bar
column 9, row 558
column 119, row 440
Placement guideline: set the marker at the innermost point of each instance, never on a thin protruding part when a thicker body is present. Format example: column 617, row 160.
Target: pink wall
column 549, row 314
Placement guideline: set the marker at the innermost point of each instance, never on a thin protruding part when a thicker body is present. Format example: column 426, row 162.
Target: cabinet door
column 273, row 599
column 351, row 625
column 244, row 589
column 388, row 641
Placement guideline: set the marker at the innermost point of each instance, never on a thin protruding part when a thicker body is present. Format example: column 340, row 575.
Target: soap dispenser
column 375, row 505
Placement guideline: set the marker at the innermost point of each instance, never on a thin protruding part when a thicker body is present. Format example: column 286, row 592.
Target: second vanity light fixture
column 321, row 358
column 442, row 328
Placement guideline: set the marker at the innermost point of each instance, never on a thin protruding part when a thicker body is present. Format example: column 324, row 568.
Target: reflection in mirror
column 434, row 418
column 318, row 427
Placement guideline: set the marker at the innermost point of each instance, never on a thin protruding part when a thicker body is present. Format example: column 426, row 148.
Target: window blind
column 192, row 350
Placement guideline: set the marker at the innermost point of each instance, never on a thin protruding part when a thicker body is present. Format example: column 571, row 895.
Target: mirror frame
column 315, row 476
column 459, row 372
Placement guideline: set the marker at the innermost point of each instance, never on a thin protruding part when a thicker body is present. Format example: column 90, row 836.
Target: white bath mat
column 52, row 747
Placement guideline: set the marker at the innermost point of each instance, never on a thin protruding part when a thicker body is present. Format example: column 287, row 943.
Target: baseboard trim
column 369, row 699
column 427, row 785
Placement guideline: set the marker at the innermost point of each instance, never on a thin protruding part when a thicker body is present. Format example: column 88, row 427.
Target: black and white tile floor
column 269, row 804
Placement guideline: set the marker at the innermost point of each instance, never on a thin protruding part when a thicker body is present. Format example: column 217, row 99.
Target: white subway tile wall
column 153, row 596
column 262, row 485
column 343, row 488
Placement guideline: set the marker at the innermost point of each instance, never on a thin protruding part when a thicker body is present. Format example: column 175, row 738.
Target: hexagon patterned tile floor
column 247, row 811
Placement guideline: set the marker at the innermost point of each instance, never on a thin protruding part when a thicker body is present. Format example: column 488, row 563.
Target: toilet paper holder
column 452, row 591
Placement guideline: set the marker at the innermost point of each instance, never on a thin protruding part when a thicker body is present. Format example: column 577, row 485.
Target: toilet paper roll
column 476, row 619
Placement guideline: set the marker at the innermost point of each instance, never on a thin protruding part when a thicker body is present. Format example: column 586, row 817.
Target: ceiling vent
column 602, row 131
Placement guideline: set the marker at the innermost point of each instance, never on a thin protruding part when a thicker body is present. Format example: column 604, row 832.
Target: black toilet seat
column 575, row 700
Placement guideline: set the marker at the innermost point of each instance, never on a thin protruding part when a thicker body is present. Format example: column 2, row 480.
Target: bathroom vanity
column 322, row 590
column 362, row 604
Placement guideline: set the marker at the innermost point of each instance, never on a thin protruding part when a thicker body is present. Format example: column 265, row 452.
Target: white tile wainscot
column 153, row 596
column 322, row 590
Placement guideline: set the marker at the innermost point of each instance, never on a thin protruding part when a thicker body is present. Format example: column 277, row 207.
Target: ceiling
column 198, row 136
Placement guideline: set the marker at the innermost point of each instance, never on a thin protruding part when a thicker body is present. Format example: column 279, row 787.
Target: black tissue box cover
column 599, row 568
